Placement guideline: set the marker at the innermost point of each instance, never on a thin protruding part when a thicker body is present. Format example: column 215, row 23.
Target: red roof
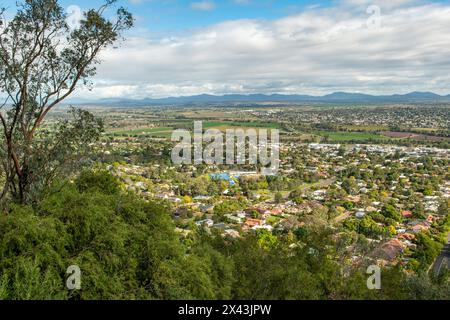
column 407, row 214
column 253, row 222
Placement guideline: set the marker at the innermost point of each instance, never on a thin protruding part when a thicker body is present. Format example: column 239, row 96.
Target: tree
column 278, row 197
column 427, row 249
column 444, row 206
column 101, row 181
column 266, row 239
column 349, row 185
column 42, row 62
column 389, row 211
column 127, row 248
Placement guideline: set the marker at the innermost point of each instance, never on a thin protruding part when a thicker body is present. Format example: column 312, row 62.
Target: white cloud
column 315, row 52
column 203, row 5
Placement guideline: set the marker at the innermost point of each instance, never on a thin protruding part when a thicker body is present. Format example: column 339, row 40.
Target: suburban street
column 443, row 261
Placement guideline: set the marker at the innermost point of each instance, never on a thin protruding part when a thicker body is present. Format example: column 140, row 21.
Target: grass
column 166, row 132
column 154, row 132
column 241, row 124
column 333, row 136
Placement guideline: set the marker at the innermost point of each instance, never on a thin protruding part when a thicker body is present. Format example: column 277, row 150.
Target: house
column 376, row 203
column 319, row 195
column 206, row 208
column 200, row 198
column 407, row 214
column 253, row 222
column 407, row 236
column 241, row 214
column 389, row 250
column 276, row 211
column 232, row 233
column 233, row 219
column 221, row 226
column 175, row 199
column 419, row 226
column 206, row 222
column 265, row 227
column 360, row 214
column 164, row 196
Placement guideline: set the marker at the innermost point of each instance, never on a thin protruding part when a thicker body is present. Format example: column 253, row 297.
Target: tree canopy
column 42, row 63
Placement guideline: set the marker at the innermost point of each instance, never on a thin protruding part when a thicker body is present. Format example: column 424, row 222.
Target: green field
column 166, row 132
column 153, row 132
column 243, row 124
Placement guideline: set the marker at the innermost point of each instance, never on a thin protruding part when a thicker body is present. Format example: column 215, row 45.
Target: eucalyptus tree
column 43, row 60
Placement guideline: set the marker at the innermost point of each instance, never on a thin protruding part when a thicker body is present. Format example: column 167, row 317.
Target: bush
column 100, row 181
column 126, row 248
column 389, row 211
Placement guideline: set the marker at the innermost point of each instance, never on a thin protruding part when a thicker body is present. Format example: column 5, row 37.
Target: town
column 386, row 198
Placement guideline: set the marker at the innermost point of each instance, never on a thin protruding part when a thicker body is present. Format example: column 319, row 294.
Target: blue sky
column 178, row 15
column 187, row 47
column 175, row 15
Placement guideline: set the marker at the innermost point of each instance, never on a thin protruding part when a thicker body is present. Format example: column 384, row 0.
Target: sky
column 189, row 47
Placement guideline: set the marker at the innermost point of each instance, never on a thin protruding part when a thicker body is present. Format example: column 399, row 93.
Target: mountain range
column 336, row 97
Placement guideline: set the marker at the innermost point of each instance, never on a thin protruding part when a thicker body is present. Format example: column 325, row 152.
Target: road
column 443, row 260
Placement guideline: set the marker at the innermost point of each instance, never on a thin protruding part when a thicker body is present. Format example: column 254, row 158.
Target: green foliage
column 348, row 205
column 278, row 197
column 127, row 248
column 229, row 206
column 389, row 211
column 266, row 239
column 366, row 226
column 100, row 181
column 427, row 250
column 301, row 233
column 38, row 72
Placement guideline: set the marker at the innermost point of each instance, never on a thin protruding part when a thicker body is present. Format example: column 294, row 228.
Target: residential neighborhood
column 387, row 195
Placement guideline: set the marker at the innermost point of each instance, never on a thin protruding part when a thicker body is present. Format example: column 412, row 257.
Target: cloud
column 203, row 5
column 317, row 51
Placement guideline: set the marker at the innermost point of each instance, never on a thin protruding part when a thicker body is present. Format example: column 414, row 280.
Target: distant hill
column 336, row 97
